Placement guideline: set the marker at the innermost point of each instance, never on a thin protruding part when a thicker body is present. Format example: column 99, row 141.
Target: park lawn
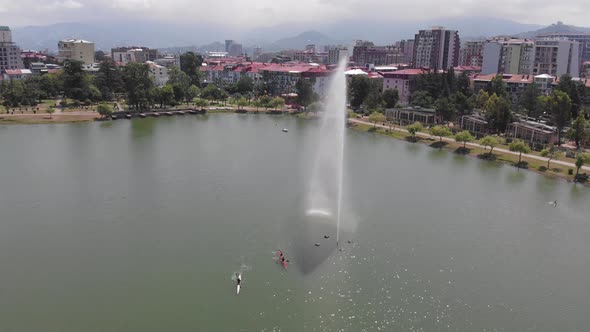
column 44, row 118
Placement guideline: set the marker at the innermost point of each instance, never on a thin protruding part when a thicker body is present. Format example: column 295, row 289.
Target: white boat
column 285, row 130
column 238, row 286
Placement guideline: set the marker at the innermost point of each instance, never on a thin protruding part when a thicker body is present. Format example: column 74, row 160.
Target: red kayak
column 282, row 259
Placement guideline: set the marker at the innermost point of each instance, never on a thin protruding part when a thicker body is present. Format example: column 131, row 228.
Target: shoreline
column 555, row 171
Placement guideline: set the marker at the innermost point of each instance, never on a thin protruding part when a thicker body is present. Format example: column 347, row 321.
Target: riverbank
column 69, row 117
column 557, row 169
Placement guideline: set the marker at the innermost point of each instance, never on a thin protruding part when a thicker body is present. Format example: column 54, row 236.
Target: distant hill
column 156, row 34
column 558, row 27
column 300, row 41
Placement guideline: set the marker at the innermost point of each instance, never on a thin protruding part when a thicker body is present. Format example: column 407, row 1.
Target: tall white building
column 9, row 51
column 508, row 56
column 556, row 57
column 76, row 49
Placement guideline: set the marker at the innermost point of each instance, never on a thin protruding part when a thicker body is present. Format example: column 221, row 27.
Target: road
column 446, row 139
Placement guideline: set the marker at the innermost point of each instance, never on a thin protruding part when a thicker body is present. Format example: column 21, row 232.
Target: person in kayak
column 238, row 279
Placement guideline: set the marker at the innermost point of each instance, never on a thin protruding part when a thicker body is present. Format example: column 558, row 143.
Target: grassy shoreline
column 537, row 166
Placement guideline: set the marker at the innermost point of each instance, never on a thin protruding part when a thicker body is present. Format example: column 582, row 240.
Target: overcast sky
column 259, row 13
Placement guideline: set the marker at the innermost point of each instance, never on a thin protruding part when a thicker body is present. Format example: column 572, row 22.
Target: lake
column 139, row 226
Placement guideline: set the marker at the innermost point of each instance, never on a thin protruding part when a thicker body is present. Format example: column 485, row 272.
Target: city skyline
column 266, row 13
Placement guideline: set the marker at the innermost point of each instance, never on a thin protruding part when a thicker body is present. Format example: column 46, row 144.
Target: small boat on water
column 180, row 113
column 169, row 113
column 142, row 115
column 285, row 130
column 128, row 116
column 114, row 117
column 156, row 114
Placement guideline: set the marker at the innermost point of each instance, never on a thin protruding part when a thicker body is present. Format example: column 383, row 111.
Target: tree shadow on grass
column 463, row 151
column 438, row 145
column 487, row 156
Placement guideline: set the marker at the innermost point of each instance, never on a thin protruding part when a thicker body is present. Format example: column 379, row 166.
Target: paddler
column 238, row 279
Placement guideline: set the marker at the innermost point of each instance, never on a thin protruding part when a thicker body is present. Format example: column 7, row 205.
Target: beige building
column 9, row 52
column 76, row 49
column 508, row 56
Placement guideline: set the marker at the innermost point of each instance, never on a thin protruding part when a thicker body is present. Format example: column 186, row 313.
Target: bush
column 372, row 129
column 75, row 103
column 542, row 168
column 63, row 103
column 522, row 164
column 87, row 102
column 581, row 177
column 570, row 171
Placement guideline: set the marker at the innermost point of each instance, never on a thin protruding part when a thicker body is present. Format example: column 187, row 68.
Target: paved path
column 446, row 139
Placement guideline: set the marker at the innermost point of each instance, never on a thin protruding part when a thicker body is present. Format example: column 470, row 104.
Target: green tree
column 104, row 110
column 573, row 89
column 74, row 80
column 242, row 102
column 529, row 100
column 374, row 100
column 304, row 92
column 192, row 93
column 578, row 131
column 464, row 85
column 190, row 64
column 201, row 103
column 445, row 109
column 109, row 79
column 180, row 82
column 358, row 90
column 211, row 92
column 461, row 103
column 414, row 128
column 520, row 147
column 390, row 98
column 376, row 117
column 165, row 95
column 265, row 101
column 50, row 111
column 497, row 86
column 581, row 159
column 138, row 84
column 560, row 106
column 421, row 98
column 481, row 99
column 551, row 152
column 498, row 113
column 245, row 85
column 465, row 137
column 440, row 131
column 277, row 103
column 490, row 141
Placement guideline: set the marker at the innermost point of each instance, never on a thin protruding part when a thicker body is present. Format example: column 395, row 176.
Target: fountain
column 323, row 200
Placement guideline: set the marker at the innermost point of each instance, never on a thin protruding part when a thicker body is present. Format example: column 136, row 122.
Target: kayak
column 283, row 263
column 238, row 286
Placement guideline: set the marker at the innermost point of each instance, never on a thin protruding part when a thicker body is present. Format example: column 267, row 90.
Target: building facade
column 508, row 56
column 10, row 58
column 76, row 49
column 365, row 53
column 556, row 57
column 400, row 81
column 436, row 49
column 471, row 54
column 336, row 54
column 158, row 73
column 582, row 38
column 125, row 55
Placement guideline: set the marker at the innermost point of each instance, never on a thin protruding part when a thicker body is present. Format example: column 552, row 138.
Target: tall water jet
column 323, row 200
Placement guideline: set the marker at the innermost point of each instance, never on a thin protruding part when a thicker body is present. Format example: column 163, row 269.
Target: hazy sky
column 257, row 13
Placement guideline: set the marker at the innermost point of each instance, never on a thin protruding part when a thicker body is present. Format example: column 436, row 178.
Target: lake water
column 139, row 226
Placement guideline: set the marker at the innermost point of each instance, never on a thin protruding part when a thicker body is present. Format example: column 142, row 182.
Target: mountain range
column 179, row 37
